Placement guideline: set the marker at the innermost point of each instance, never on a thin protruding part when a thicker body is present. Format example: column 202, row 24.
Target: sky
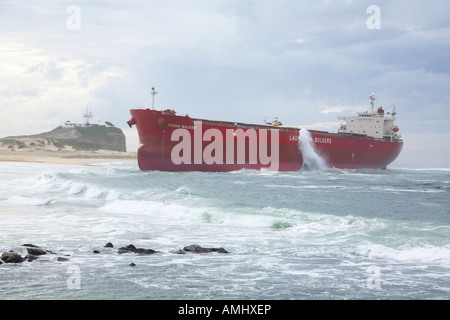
column 305, row 62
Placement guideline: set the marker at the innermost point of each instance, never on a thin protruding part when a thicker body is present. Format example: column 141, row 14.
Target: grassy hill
column 76, row 138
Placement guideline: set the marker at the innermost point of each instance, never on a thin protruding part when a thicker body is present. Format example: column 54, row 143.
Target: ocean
column 326, row 234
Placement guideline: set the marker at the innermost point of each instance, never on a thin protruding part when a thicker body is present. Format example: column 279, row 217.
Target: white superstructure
column 373, row 124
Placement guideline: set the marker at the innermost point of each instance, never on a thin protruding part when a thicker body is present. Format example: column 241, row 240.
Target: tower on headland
column 87, row 115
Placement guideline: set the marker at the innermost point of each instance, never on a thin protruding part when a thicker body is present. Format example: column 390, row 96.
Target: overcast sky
column 305, row 62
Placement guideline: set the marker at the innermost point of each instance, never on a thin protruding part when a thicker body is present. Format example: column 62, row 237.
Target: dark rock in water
column 109, row 245
column 12, row 257
column 132, row 264
column 129, row 248
column 195, row 248
column 145, row 251
column 180, row 251
column 29, row 245
column 30, row 257
column 62, row 259
column 96, row 251
column 36, row 251
column 132, row 248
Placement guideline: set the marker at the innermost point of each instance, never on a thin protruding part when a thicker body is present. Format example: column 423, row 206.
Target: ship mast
column 153, row 98
column 372, row 100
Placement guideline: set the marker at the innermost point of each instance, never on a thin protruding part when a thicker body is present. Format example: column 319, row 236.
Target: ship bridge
column 373, row 124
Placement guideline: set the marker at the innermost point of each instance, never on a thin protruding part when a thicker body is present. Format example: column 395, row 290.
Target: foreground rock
column 109, row 245
column 195, row 248
column 12, row 257
column 34, row 252
column 132, row 248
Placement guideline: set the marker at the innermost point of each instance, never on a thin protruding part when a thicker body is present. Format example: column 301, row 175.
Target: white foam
column 143, row 207
column 311, row 159
column 426, row 253
column 389, row 189
column 176, row 211
column 27, row 201
column 76, row 189
column 421, row 169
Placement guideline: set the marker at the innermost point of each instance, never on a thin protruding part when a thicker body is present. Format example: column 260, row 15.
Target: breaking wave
column 28, row 201
column 424, row 254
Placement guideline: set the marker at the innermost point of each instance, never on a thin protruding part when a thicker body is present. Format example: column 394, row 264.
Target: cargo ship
column 172, row 142
column 367, row 140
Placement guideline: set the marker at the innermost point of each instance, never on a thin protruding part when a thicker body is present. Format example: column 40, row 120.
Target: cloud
column 338, row 109
column 50, row 69
column 328, row 126
column 40, row 92
column 425, row 150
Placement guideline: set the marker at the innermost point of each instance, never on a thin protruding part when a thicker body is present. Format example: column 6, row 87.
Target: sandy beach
column 66, row 157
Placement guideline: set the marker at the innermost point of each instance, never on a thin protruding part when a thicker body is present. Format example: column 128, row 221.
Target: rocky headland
column 74, row 138
column 79, row 144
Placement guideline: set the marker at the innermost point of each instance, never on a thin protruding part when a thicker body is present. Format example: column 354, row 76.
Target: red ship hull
column 162, row 148
column 354, row 151
column 161, row 151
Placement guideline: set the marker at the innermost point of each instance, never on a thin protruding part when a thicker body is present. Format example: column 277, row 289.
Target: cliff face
column 87, row 138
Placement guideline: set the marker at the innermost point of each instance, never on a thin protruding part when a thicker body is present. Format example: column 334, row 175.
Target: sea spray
column 311, row 159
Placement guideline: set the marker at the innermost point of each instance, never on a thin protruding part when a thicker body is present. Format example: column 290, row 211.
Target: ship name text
column 175, row 125
column 322, row 140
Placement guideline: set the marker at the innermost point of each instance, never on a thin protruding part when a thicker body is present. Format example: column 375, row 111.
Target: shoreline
column 67, row 157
